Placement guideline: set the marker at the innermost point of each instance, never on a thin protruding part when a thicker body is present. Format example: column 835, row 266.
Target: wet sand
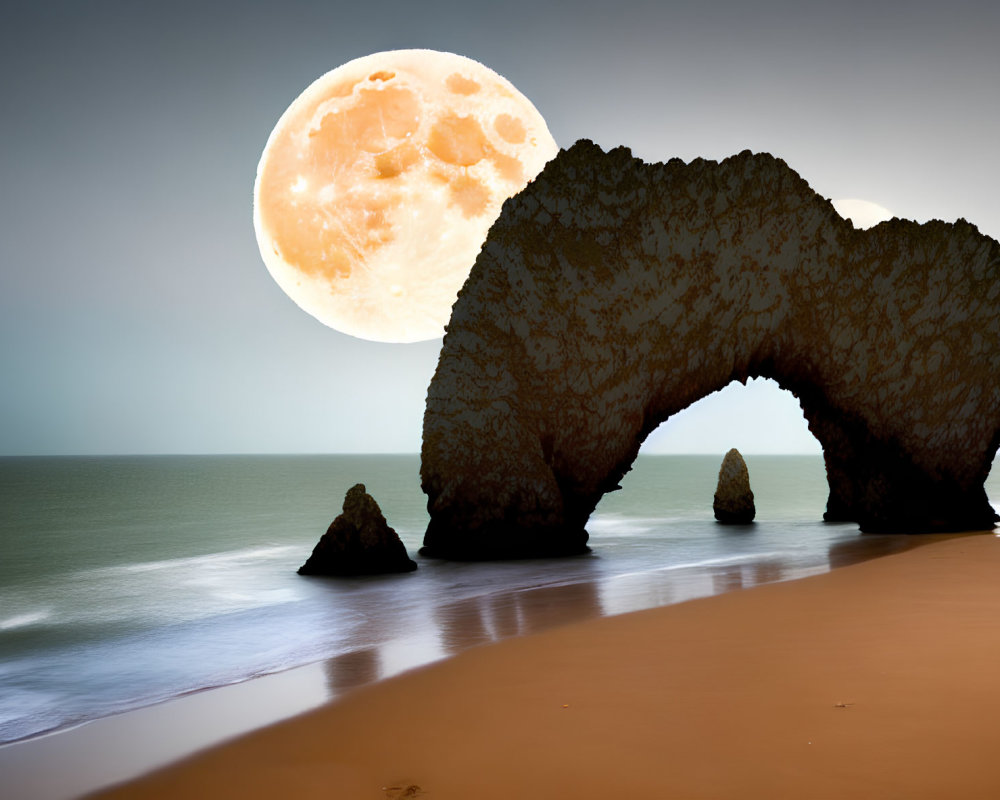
column 418, row 630
column 876, row 680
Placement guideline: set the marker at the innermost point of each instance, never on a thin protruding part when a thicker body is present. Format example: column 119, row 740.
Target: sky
column 136, row 315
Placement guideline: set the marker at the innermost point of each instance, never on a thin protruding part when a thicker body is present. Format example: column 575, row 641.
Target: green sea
column 125, row 581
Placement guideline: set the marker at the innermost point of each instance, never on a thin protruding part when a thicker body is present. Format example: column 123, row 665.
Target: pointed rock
column 358, row 542
column 733, row 499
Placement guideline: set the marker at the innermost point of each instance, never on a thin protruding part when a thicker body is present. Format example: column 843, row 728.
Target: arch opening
column 757, row 418
column 677, row 467
column 612, row 294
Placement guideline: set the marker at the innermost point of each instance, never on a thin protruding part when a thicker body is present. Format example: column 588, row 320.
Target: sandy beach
column 876, row 680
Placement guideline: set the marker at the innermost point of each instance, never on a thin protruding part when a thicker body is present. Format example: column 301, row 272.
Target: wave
column 154, row 592
column 722, row 561
column 227, row 558
column 611, row 526
column 24, row 620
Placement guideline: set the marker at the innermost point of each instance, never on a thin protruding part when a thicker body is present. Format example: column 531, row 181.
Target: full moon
column 378, row 184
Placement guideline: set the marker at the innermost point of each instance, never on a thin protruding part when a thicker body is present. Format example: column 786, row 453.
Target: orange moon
column 378, row 185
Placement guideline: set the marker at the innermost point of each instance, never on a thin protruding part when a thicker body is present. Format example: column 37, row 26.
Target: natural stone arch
column 611, row 294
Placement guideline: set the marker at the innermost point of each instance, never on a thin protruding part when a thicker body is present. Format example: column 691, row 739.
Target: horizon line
column 256, row 454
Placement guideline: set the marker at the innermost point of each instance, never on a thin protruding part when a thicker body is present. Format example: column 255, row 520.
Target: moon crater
column 378, row 184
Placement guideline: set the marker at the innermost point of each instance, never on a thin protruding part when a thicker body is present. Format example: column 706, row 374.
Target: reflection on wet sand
column 733, row 577
column 871, row 545
column 352, row 669
column 635, row 592
column 462, row 625
column 505, row 615
column 766, row 572
column 549, row 606
column 654, row 588
column 728, row 579
column 476, row 621
column 389, row 643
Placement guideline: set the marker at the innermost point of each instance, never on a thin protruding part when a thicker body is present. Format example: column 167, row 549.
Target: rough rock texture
column 358, row 542
column 612, row 293
column 733, row 504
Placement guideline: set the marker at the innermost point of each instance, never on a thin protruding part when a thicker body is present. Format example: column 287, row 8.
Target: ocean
column 126, row 581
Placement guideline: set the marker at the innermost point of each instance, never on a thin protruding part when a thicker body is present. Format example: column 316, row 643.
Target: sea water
column 125, row 581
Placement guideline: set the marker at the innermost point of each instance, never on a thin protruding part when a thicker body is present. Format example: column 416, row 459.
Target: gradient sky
column 136, row 315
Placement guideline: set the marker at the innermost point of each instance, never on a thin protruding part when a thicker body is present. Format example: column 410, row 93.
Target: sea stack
column 733, row 499
column 358, row 542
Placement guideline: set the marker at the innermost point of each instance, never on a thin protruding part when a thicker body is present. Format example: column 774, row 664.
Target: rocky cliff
column 612, row 293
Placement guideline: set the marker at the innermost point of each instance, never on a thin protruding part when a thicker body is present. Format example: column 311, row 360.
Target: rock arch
column 612, row 293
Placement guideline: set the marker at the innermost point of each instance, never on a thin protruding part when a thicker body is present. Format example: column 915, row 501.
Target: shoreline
column 98, row 743
column 69, row 761
column 874, row 680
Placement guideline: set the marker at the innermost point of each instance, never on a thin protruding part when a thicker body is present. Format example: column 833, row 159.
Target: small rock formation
column 358, row 542
column 733, row 503
column 611, row 294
